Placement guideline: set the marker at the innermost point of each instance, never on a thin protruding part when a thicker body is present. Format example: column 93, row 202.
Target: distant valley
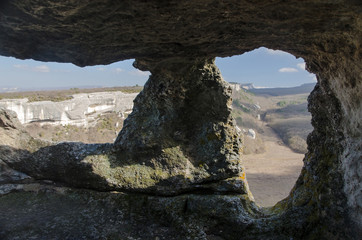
column 281, row 91
column 276, row 123
column 282, row 109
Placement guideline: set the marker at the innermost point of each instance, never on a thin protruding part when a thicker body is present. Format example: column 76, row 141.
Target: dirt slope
column 272, row 174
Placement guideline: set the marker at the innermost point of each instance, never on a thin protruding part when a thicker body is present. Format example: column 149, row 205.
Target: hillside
column 282, row 110
column 273, row 156
column 302, row 89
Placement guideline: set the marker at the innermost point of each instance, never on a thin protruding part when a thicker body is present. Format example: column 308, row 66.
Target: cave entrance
column 270, row 91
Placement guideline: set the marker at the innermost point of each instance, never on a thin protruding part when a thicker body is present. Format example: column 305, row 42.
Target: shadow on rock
column 103, row 167
column 63, row 163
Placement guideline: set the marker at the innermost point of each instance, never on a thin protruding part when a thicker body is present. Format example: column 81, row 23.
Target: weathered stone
column 101, row 32
column 50, row 212
column 172, row 38
column 181, row 122
column 13, row 134
column 8, row 175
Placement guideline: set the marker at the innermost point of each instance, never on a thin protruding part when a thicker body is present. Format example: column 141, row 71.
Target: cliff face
column 194, row 160
column 79, row 111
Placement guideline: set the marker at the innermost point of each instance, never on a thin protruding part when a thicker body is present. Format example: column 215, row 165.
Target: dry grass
column 293, row 132
column 287, row 115
column 62, row 95
column 104, row 130
column 292, row 123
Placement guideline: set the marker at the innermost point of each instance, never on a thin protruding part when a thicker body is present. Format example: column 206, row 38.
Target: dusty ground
column 271, row 175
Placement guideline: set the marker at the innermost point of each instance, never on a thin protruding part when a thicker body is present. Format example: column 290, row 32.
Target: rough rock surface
column 182, row 123
column 99, row 32
column 80, row 110
column 176, row 41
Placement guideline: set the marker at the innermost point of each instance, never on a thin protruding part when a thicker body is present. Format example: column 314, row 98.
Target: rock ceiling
column 102, row 32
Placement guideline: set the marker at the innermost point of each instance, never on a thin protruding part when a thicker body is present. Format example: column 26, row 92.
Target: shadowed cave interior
column 175, row 170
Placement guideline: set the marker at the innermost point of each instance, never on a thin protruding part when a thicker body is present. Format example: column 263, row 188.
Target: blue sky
column 263, row 67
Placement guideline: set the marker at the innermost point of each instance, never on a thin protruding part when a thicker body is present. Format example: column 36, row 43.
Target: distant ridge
column 6, row 89
column 247, row 86
column 304, row 88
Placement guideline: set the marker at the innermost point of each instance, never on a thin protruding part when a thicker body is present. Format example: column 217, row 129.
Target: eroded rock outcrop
column 80, row 110
column 182, row 123
column 175, row 40
column 12, row 136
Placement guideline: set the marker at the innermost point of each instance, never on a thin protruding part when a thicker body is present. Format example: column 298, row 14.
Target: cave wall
column 175, row 40
column 339, row 79
column 102, row 32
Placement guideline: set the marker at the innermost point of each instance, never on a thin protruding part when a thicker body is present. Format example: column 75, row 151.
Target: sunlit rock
column 80, row 110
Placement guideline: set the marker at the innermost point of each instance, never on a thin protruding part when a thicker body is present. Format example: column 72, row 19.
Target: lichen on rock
column 182, row 122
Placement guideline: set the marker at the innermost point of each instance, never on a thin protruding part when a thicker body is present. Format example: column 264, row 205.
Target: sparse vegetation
column 282, row 103
column 238, row 104
column 239, row 120
column 286, row 114
column 293, row 132
column 285, row 103
column 57, row 98
column 62, row 95
column 104, row 129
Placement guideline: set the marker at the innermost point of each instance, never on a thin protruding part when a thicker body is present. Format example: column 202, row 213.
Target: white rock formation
column 235, row 86
column 80, row 110
column 251, row 133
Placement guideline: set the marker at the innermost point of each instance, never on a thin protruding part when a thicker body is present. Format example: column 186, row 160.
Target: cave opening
column 176, row 39
column 268, row 105
column 270, row 108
